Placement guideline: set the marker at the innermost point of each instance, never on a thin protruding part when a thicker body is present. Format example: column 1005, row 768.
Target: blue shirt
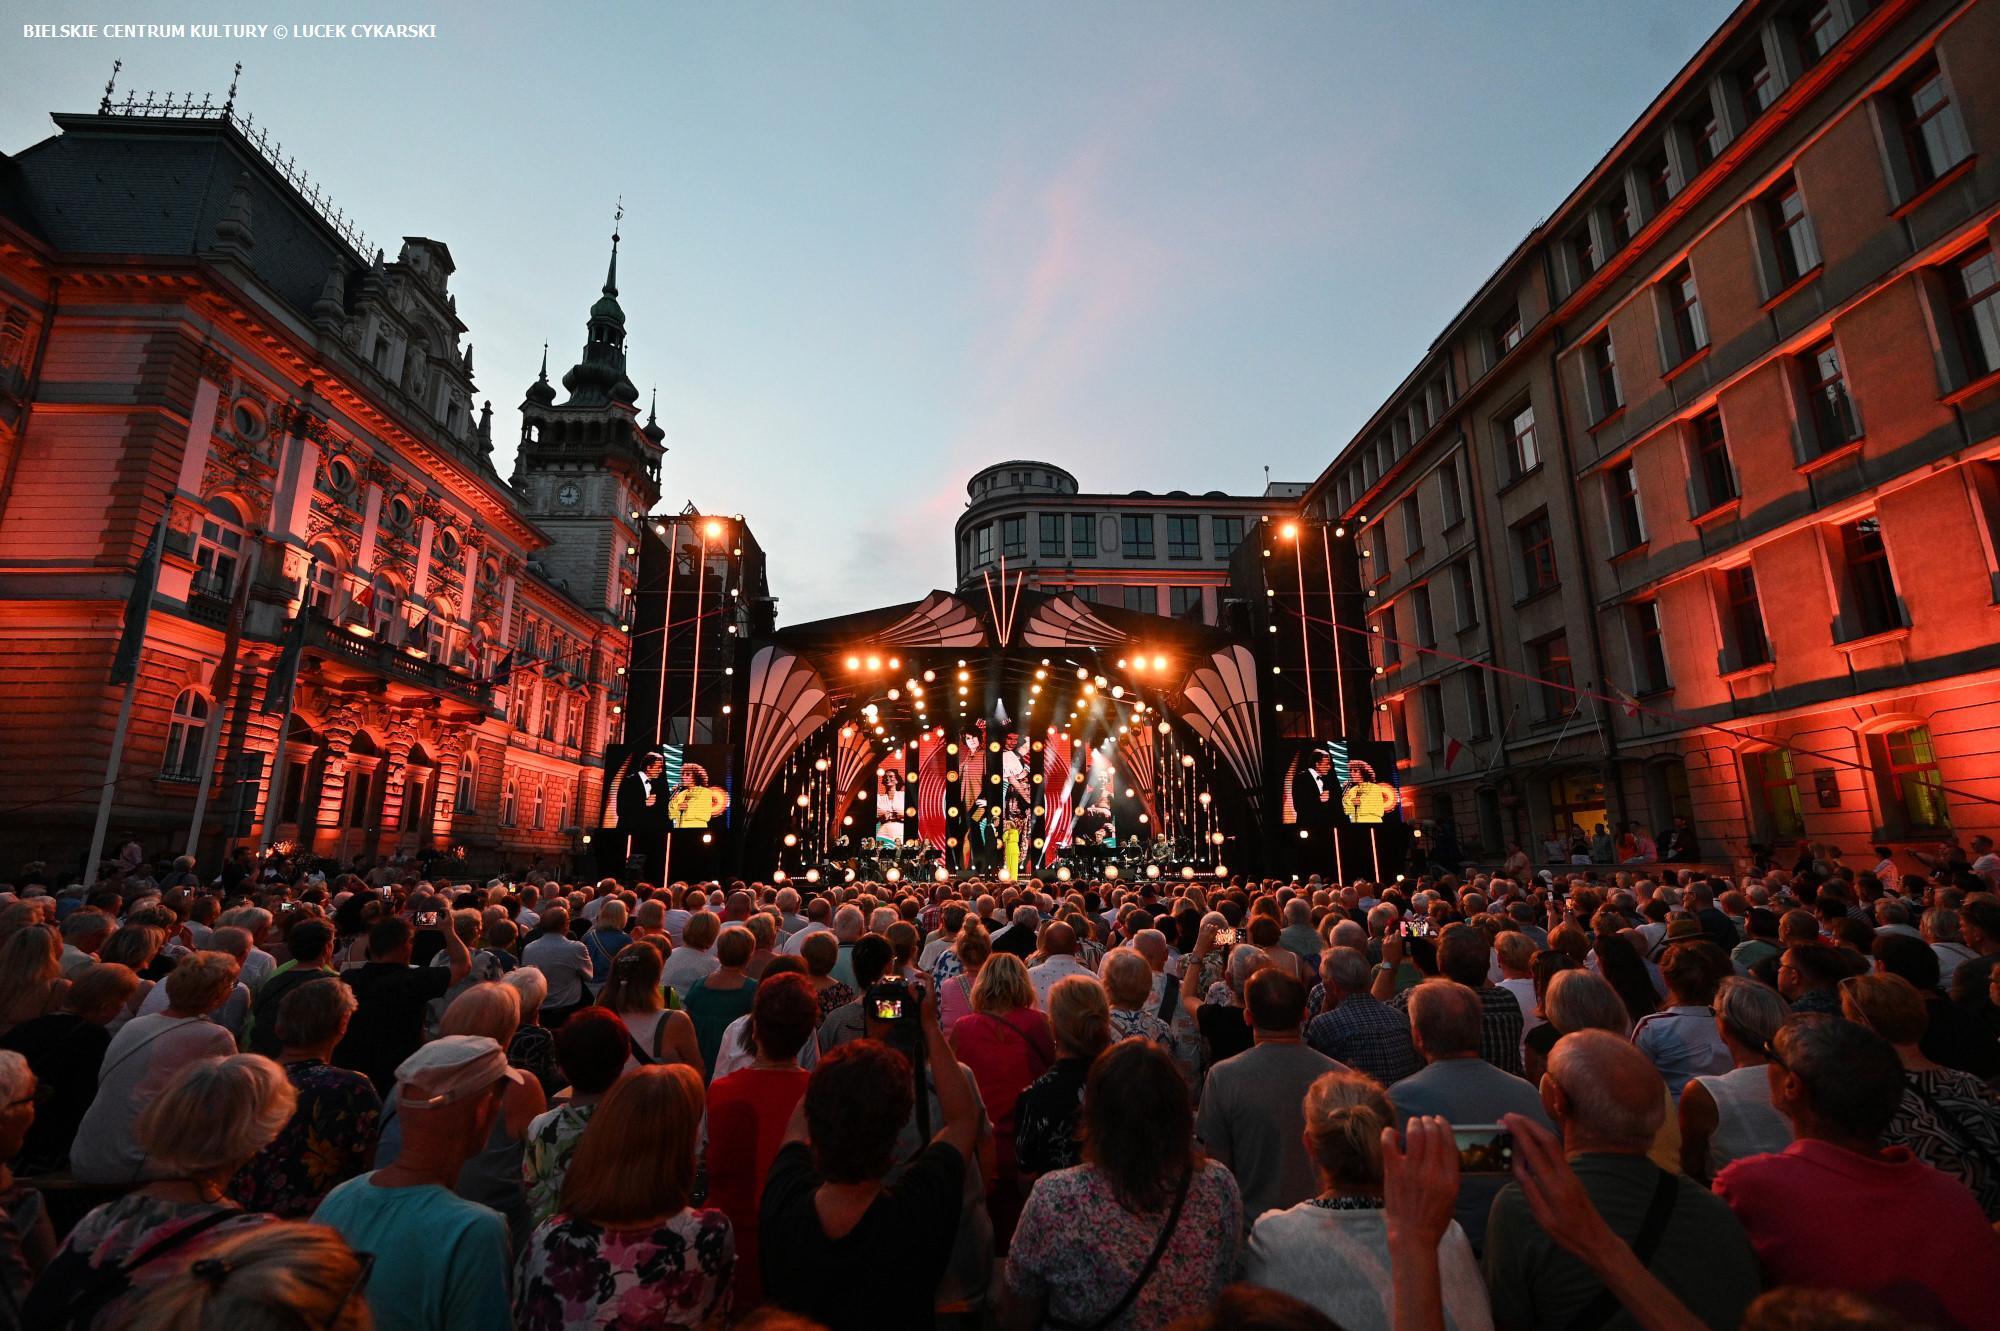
column 440, row 1261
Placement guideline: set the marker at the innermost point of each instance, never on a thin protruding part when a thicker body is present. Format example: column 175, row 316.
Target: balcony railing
column 394, row 662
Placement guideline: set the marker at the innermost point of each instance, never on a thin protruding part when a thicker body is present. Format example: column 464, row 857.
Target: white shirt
column 790, row 946
column 229, row 1016
column 565, row 963
column 1987, row 866
column 257, row 967
column 1044, row 976
column 733, row 1057
column 685, row 965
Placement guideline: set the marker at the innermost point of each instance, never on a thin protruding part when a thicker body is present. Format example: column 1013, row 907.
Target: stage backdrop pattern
column 1136, row 760
column 931, row 793
column 1057, row 758
column 939, row 620
column 1219, row 703
column 1065, row 621
column 787, row 702
column 852, row 760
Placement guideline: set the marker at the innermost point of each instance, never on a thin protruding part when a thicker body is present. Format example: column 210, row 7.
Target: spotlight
column 849, row 875
column 930, row 676
column 1187, row 871
column 1222, row 871
column 1289, row 531
column 964, row 675
column 1187, row 759
column 1081, row 673
column 791, row 838
column 805, row 801
column 712, row 528
column 1340, row 531
column 819, row 765
column 1062, row 874
column 1110, row 871
column 892, row 874
column 1117, row 690
column 707, row 838
column 1206, row 799
column 854, row 663
column 1005, row 875
column 943, row 875
column 1216, row 837
column 812, row 875
column 895, row 664
column 874, row 663
column 777, row 875
column 1159, row 663
column 1152, row 871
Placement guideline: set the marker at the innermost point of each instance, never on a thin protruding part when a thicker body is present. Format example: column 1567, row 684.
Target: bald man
column 1058, row 949
column 1606, row 1098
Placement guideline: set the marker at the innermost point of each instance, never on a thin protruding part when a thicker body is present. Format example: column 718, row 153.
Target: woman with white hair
column 1729, row 1116
column 26, row 1241
column 142, row 1057
column 533, row 1048
column 206, row 1123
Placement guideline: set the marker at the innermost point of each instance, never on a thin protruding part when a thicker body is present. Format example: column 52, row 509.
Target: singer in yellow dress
column 695, row 803
column 1365, row 800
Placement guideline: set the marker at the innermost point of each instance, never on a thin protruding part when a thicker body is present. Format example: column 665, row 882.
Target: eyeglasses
column 367, row 1264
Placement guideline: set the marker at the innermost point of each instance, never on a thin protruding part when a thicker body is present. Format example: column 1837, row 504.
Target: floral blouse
column 835, row 995
column 329, row 1139
column 1046, row 1118
column 551, row 1144
column 674, row 1275
column 533, row 1050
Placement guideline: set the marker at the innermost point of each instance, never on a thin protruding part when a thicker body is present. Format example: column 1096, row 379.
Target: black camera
column 893, row 1000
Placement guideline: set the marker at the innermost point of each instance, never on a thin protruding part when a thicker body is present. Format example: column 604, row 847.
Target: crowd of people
column 1577, row 1097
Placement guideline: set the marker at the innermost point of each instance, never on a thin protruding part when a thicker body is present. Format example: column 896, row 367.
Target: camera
column 1225, row 938
column 1416, row 928
column 892, row 1000
column 1483, row 1148
column 429, row 919
column 287, row 907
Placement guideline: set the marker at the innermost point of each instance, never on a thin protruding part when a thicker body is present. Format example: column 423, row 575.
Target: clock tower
column 587, row 470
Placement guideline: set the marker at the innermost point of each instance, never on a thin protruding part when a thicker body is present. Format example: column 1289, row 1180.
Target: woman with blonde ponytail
column 1333, row 1251
column 277, row 1276
column 634, row 995
column 1048, row 1112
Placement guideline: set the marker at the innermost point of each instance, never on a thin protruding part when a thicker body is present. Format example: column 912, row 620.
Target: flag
column 1632, row 707
column 224, row 680
column 278, row 694
column 1452, row 748
column 503, row 670
column 125, row 665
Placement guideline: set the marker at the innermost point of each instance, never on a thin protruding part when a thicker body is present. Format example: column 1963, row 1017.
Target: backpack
column 72, row 1294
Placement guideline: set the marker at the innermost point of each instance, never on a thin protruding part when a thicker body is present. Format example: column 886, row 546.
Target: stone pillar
column 450, row 743
column 400, row 738
column 340, row 727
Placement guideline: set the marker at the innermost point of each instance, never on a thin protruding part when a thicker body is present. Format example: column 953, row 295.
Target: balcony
column 379, row 657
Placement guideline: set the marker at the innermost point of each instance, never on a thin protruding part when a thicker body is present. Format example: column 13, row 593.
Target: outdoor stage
column 1022, row 732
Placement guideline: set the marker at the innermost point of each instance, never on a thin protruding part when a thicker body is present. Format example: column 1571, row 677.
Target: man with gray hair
column 1606, row 1097
column 1460, row 1086
column 1166, row 1002
column 848, row 926
column 84, row 931
column 1019, row 935
column 1356, row 1028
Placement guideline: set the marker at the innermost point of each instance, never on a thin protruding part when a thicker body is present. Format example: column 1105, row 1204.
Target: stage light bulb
column 1289, row 530
column 1222, row 871
column 1121, row 663
column 712, row 529
column 1034, row 688
column 1340, row 531
column 1304, row 835
column 1089, row 689
column 951, row 748
column 819, row 765
column 1145, row 818
column 964, row 675
column 1168, row 729
column 942, row 875
column 854, row 663
column 930, row 676
column 777, row 875
column 791, row 838
column 1082, row 673
column 1152, row 871
column 1206, row 798
column 616, row 709
column 1005, row 875
column 1216, row 837
column 1110, row 871
column 1062, row 874
column 1129, row 792
column 725, row 709
column 849, row 875
column 659, row 529
column 1187, row 871
column 895, row 663
column 961, row 661
column 1274, row 628
column 847, row 821
column 707, row 838
column 804, row 801
column 891, row 874
column 895, row 694
column 1159, row 663
column 1277, row 707
column 812, row 875
column 874, row 663
column 1270, row 591
column 1276, row 670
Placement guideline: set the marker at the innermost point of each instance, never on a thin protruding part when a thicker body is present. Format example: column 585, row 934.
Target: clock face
column 569, row 494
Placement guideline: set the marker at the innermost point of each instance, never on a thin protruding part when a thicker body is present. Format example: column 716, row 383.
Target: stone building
column 193, row 336
column 1717, row 443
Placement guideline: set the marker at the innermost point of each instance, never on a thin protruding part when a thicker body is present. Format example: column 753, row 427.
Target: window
column 574, row 730
column 1606, row 397
column 549, row 705
column 1088, row 593
column 535, row 820
column 1146, row 599
column 1399, row 728
column 296, row 775
column 1684, row 319
column 1713, row 475
column 1549, row 659
column 1912, row 786
column 1464, row 601
column 1869, row 604
column 1659, row 179
column 1536, row 546
column 437, row 624
column 386, row 605
column 1775, row 792
column 1083, row 536
column 1052, row 536
column 322, row 582
column 1385, row 633
column 468, row 784
column 1478, row 721
column 508, row 802
column 1413, row 526
column 1973, row 281
column 982, row 545
column 1185, row 602
column 1743, row 641
column 1376, row 552
column 358, row 792
column 1451, row 493
column 218, row 549
column 1817, row 28
column 1431, row 698
column 1228, row 533
column 184, row 737
column 1792, row 243
column 1014, row 537
column 1183, row 537
column 1649, row 649
column 1583, row 250
column 1756, row 85
column 1621, row 497
column 1420, row 605
column 1506, row 333
column 1618, row 220
column 1933, row 138
column 1524, row 454
column 1706, row 136
column 1832, row 420
column 1135, row 535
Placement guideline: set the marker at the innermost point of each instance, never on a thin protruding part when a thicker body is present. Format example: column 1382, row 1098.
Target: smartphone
column 1225, row 938
column 387, row 892
column 1483, row 1148
column 286, row 907
column 429, row 919
column 888, row 1009
column 1416, row 928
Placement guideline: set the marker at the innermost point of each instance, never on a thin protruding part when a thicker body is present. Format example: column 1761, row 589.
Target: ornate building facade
column 190, row 336
column 1717, row 445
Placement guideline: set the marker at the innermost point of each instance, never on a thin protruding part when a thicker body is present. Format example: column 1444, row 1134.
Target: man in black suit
column 982, row 839
column 1313, row 796
column 642, row 804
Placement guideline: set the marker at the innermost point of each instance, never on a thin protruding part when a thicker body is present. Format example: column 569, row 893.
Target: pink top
column 954, row 1001
column 1889, row 1227
column 1005, row 1054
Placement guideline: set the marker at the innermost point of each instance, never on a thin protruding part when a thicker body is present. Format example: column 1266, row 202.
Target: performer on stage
column 982, row 839
column 1312, row 790
column 889, row 806
column 641, row 804
column 1364, row 799
column 695, row 803
column 1018, row 794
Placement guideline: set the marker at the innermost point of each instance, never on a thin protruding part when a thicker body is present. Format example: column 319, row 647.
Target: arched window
column 1773, row 791
column 536, row 824
column 1912, row 786
column 508, row 800
column 184, row 733
column 323, row 583
column 218, row 548
column 437, row 628
column 387, row 607
column 468, row 784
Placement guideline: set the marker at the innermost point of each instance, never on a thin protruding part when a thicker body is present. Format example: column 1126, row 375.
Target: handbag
column 1145, row 1272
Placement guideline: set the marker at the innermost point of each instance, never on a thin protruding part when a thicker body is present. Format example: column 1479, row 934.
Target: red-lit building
column 188, row 333
column 1718, row 443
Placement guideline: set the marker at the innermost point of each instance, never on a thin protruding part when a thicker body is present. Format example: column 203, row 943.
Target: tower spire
column 611, row 276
